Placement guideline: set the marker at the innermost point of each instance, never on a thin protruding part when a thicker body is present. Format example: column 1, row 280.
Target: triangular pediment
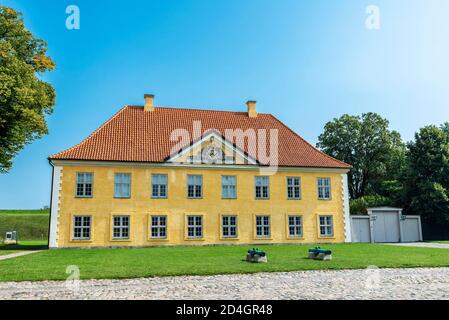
column 212, row 149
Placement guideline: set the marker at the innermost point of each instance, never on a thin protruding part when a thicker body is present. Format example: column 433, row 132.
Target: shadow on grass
column 25, row 246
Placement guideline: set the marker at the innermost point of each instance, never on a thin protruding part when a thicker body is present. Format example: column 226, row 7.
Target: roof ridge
column 308, row 143
column 196, row 109
column 92, row 134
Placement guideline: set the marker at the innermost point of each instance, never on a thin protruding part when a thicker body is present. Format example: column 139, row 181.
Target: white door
column 410, row 229
column 386, row 226
column 360, row 229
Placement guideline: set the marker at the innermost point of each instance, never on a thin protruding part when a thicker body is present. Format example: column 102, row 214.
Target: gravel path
column 421, row 244
column 18, row 254
column 414, row 283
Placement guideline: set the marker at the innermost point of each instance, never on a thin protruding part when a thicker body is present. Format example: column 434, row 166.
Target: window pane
column 324, row 188
column 84, row 184
column 326, row 226
column 229, row 225
column 295, row 226
column 158, row 227
column 261, row 187
column 194, row 186
column 122, row 185
column 159, row 185
column 263, row 226
column 195, row 226
column 294, row 187
column 81, row 230
column 228, row 186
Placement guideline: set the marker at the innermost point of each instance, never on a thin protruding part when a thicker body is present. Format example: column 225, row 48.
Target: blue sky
column 304, row 61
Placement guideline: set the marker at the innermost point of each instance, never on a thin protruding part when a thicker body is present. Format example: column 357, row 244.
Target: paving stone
column 412, row 283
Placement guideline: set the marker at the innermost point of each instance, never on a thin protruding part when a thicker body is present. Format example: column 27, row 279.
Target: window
column 81, row 227
column 324, row 188
column 194, row 186
column 158, row 227
column 229, row 187
column 262, row 184
column 194, row 226
column 229, row 226
column 295, row 226
column 159, row 185
column 120, row 228
column 326, row 226
column 263, row 226
column 294, row 188
column 84, row 184
column 122, row 185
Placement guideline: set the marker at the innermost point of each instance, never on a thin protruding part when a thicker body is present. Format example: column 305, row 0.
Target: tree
column 427, row 184
column 360, row 205
column 25, row 99
column 376, row 153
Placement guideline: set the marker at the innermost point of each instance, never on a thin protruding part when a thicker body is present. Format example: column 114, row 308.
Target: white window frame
column 227, row 227
column 228, row 183
column 326, row 225
column 157, row 226
column 292, row 220
column 82, row 227
column 121, row 226
column 84, row 179
column 118, row 185
column 196, row 184
column 262, row 182
column 322, row 187
column 263, row 223
column 156, row 182
column 194, row 227
column 291, row 185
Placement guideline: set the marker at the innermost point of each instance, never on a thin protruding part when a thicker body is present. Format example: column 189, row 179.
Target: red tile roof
column 136, row 135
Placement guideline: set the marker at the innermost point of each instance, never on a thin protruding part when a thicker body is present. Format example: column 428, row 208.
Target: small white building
column 386, row 224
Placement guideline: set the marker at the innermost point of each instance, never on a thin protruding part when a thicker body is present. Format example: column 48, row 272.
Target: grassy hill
column 30, row 224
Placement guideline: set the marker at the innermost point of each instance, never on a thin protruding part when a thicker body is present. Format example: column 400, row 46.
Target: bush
column 359, row 205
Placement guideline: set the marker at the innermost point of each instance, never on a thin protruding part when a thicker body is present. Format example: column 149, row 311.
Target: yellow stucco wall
column 102, row 206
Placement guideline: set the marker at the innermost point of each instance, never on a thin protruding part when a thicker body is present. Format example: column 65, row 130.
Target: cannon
column 256, row 255
column 320, row 254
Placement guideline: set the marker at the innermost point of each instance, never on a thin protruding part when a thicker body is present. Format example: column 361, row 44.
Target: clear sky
column 304, row 61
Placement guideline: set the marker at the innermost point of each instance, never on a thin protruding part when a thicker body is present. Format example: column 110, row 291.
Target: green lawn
column 30, row 224
column 149, row 262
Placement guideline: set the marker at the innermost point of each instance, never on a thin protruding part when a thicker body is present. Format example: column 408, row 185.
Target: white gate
column 411, row 229
column 385, row 225
column 360, row 229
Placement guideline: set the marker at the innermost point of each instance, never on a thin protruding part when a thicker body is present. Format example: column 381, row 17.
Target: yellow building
column 153, row 176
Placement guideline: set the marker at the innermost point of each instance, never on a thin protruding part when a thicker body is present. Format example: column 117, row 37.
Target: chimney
column 149, row 105
column 252, row 113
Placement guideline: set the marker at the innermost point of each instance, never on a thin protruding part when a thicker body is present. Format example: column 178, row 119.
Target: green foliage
column 393, row 190
column 366, row 142
column 359, row 205
column 25, row 99
column 427, row 182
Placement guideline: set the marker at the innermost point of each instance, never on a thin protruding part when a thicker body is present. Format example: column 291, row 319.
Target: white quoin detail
column 346, row 213
column 54, row 213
